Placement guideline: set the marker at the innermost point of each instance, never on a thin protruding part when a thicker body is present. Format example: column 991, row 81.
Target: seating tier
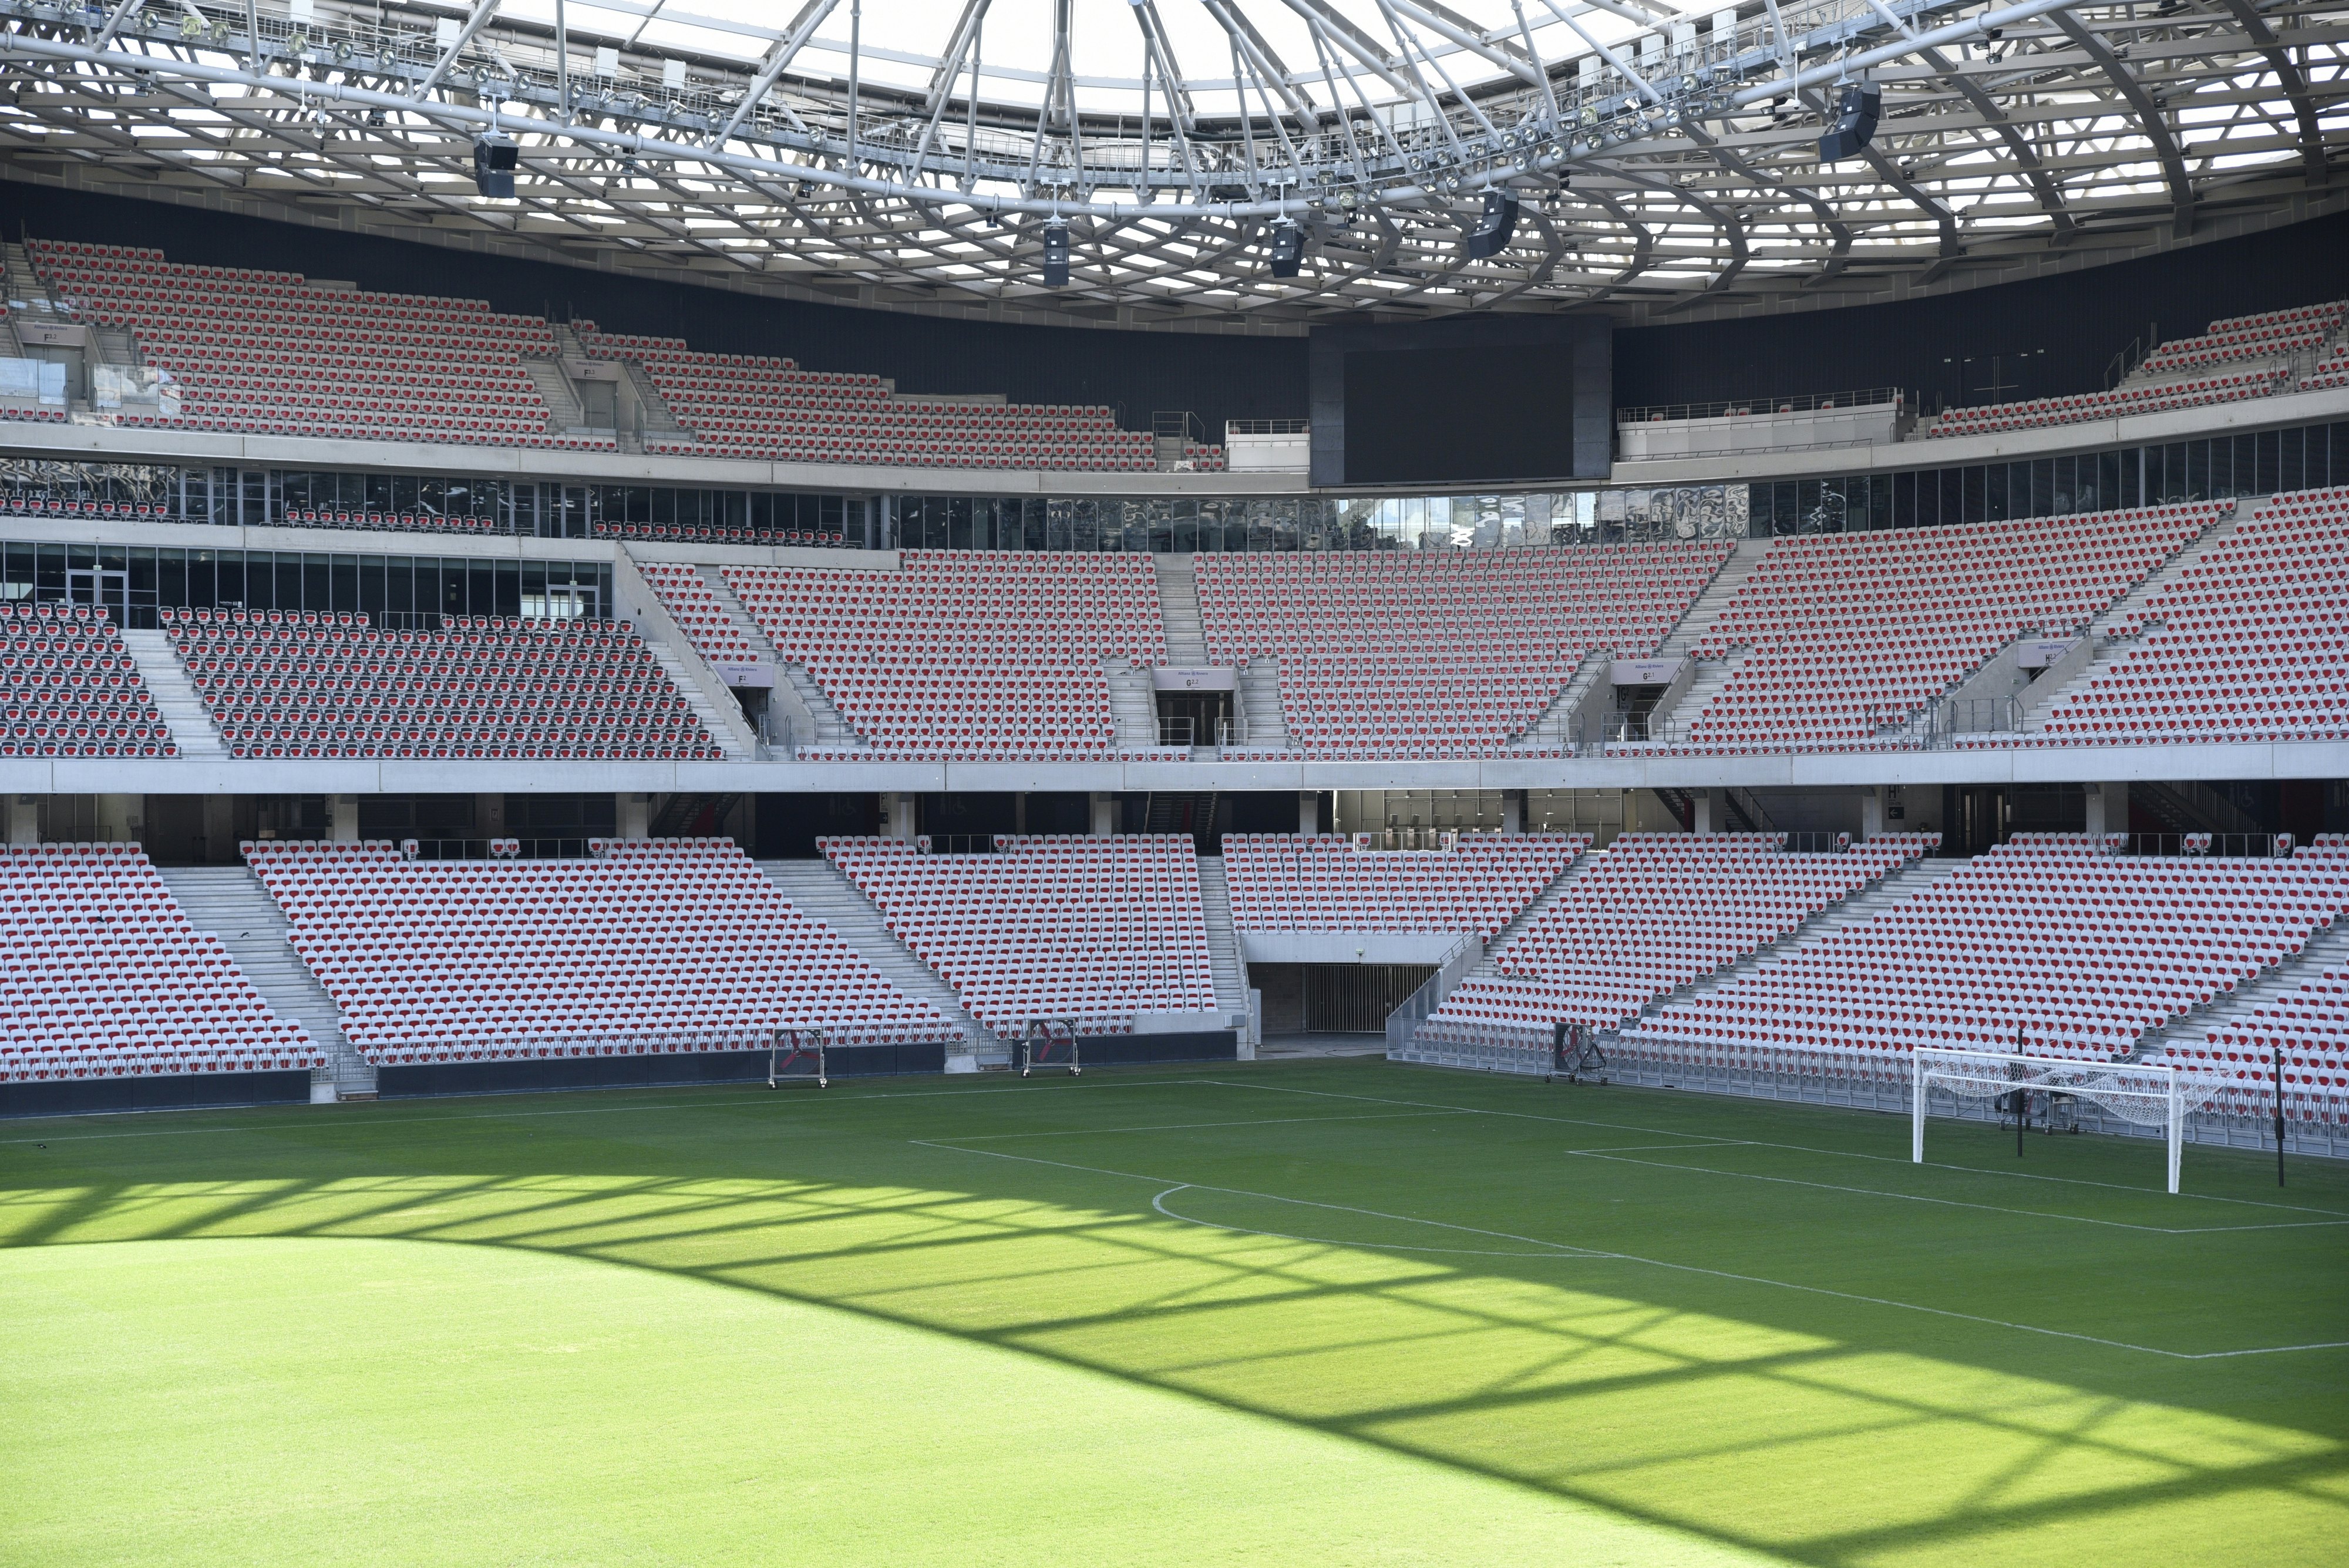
column 2050, row 940
column 1090, row 930
column 1451, row 653
column 103, row 976
column 69, row 687
column 1653, row 912
column 653, row 946
column 313, row 684
column 1323, row 883
column 967, row 655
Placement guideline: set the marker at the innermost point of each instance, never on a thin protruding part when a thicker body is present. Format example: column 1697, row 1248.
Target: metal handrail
column 1806, row 402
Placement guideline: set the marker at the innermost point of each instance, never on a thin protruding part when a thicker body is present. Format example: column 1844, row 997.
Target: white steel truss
column 915, row 157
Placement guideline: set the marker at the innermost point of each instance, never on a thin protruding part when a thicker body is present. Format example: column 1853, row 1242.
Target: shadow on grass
column 1830, row 1431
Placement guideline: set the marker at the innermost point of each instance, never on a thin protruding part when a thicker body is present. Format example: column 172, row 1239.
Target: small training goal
column 2143, row 1093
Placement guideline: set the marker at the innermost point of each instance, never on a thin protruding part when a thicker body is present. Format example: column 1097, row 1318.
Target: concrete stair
column 1224, row 957
column 1708, row 605
column 190, row 722
column 1482, row 968
column 1711, row 676
column 565, row 414
column 731, row 730
column 2037, row 703
column 831, row 728
column 818, row 889
column 1132, row 703
column 1258, row 703
column 1178, row 607
column 1551, row 729
column 744, row 621
column 230, row 902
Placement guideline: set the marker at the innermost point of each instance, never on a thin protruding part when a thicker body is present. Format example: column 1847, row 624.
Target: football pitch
column 1329, row 1312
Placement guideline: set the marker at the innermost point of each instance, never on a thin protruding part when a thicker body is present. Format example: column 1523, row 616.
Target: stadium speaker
column 495, row 158
column 1056, row 254
column 1287, row 250
column 1854, row 125
column 1491, row 235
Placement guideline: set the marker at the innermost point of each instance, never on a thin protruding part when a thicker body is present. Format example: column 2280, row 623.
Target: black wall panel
column 2049, row 336
column 1138, row 373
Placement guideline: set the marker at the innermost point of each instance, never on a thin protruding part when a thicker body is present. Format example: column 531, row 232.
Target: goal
column 2143, row 1093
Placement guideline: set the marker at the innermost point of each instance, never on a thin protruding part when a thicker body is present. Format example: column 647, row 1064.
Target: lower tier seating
column 1284, row 883
column 102, row 976
column 2051, row 940
column 650, row 947
column 1090, row 930
column 1653, row 912
column 310, row 683
column 69, row 687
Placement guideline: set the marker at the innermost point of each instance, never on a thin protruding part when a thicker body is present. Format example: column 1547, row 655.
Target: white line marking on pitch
column 1551, row 1249
column 1568, row 1249
column 1797, row 1147
column 1188, row 1127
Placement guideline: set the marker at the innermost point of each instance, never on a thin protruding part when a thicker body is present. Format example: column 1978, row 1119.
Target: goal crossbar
column 2146, row 1094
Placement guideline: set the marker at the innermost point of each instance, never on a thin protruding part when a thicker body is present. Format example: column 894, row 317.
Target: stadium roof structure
column 910, row 153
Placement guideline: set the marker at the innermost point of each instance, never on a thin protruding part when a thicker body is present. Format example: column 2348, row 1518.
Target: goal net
column 2142, row 1094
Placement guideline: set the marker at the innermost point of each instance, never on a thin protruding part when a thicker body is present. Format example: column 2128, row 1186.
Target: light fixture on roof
column 1288, row 249
column 1056, row 254
column 495, row 159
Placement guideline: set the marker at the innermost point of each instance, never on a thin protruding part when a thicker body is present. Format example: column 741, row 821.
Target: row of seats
column 103, row 976
column 701, row 533
column 698, row 612
column 1654, row 912
column 654, row 947
column 2262, row 336
column 391, row 521
column 2249, row 643
column 1279, row 882
column 2129, row 398
column 305, row 684
column 743, row 405
column 2049, row 943
column 1092, row 930
column 1839, row 641
column 1409, row 654
column 69, row 687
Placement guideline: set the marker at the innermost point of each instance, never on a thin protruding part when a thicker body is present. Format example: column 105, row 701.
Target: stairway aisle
column 817, row 888
column 190, row 722
column 1224, row 948
column 230, row 902
column 1178, row 607
column 733, row 730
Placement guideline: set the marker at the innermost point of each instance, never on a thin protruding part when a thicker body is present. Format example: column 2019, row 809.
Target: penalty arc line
column 1569, row 1250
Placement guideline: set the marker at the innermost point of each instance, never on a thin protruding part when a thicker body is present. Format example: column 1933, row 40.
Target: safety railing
column 1420, row 1004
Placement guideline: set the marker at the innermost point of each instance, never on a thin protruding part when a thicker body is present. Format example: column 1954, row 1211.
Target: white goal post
column 2144, row 1094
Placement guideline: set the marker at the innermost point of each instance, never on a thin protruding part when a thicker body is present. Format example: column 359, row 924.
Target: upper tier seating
column 1442, row 653
column 313, row 684
column 69, row 689
column 1848, row 633
column 967, row 655
column 2175, row 375
column 1655, row 911
column 105, row 978
column 2049, row 936
column 654, row 947
column 2133, row 397
column 698, row 612
column 2332, row 371
column 1090, row 930
column 1284, row 883
column 265, row 353
column 2240, row 337
column 2252, row 644
column 752, row 405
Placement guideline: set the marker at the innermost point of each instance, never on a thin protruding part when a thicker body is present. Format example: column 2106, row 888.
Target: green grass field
column 1334, row 1312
